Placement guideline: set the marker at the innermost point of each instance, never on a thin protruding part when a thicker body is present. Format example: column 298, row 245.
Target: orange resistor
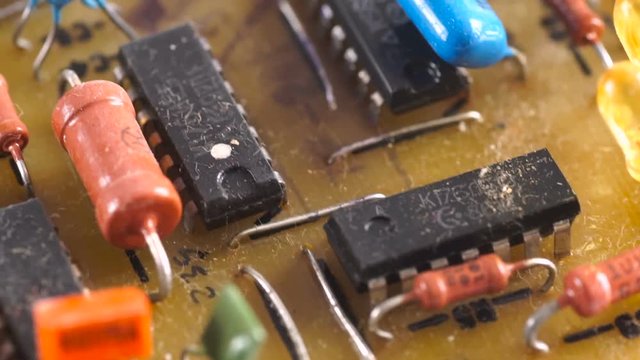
column 135, row 203
column 439, row 288
column 584, row 25
column 105, row 324
column 589, row 289
column 14, row 135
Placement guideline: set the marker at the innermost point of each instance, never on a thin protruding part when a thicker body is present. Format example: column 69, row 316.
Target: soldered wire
column 356, row 340
column 18, row 40
column 402, row 134
column 309, row 49
column 279, row 314
column 277, row 226
column 21, row 167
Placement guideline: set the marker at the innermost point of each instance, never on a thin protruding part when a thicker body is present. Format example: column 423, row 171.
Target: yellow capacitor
column 626, row 17
column 619, row 103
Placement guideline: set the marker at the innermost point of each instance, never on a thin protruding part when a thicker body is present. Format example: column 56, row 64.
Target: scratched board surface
column 554, row 108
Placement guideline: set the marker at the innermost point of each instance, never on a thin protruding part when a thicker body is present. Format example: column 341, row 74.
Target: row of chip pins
column 166, row 162
column 164, row 151
column 348, row 55
column 344, row 48
column 619, row 87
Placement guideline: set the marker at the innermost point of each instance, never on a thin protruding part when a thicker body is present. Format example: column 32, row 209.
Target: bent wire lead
column 279, row 314
column 404, row 133
column 277, row 226
column 56, row 10
column 436, row 289
column 357, row 341
column 309, row 50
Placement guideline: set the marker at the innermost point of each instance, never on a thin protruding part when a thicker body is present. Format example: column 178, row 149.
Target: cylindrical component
column 95, row 122
column 584, row 25
column 105, row 324
column 464, row 33
column 589, row 289
column 439, row 288
column 12, row 130
column 626, row 17
column 618, row 94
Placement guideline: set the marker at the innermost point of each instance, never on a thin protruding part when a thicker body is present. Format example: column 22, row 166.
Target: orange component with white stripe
column 105, row 324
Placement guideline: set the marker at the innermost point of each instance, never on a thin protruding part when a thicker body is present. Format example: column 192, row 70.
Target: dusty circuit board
column 554, row 108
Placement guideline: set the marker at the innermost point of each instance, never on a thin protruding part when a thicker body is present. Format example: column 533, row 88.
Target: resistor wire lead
column 439, row 288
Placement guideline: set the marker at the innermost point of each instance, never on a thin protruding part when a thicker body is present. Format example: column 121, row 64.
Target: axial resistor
column 135, row 203
column 584, row 25
column 589, row 289
column 626, row 17
column 618, row 101
column 14, row 135
column 438, row 288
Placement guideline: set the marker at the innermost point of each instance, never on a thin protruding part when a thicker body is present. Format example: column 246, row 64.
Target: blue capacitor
column 466, row 33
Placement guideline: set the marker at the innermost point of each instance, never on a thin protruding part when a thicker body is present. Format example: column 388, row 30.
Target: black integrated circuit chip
column 486, row 210
column 34, row 265
column 210, row 146
column 392, row 61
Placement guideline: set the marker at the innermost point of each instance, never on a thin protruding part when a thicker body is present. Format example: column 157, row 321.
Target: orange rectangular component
column 105, row 324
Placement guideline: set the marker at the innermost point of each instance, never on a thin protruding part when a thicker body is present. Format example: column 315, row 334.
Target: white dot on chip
column 221, row 151
column 172, row 47
column 234, row 142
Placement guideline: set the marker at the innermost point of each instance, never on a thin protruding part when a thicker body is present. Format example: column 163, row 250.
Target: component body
column 464, row 33
column 584, row 25
column 626, row 17
column 95, row 122
column 618, row 94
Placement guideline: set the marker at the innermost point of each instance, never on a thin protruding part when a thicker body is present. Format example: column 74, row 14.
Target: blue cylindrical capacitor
column 465, row 33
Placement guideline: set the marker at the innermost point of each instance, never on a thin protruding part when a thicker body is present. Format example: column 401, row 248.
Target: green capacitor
column 234, row 332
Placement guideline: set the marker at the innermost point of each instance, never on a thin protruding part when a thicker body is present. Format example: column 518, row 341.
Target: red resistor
column 584, row 25
column 95, row 122
column 590, row 289
column 14, row 135
column 135, row 204
column 439, row 288
column 12, row 130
